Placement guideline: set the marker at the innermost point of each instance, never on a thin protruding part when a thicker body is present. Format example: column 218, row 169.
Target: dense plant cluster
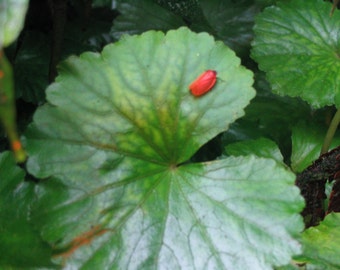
column 159, row 134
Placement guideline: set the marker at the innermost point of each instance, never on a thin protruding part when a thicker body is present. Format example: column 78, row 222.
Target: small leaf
column 321, row 244
column 12, row 17
column 297, row 45
column 306, row 144
column 20, row 245
column 261, row 147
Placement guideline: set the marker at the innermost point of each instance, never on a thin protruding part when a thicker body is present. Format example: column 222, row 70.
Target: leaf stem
column 330, row 132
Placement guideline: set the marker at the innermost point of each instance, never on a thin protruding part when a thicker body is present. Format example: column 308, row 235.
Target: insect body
column 203, row 83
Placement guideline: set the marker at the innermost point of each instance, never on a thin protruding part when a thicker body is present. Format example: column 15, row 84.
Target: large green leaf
column 297, row 45
column 116, row 136
column 12, row 17
column 21, row 247
column 135, row 97
column 202, row 216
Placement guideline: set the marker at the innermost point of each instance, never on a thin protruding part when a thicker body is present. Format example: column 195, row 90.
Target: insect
column 203, row 83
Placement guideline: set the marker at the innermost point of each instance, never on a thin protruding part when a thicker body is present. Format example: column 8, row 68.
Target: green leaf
column 32, row 60
column 306, row 144
column 31, row 66
column 102, row 3
column 261, row 147
column 135, row 98
column 137, row 17
column 270, row 116
column 291, row 266
column 189, row 10
column 211, row 215
column 321, row 244
column 12, row 17
column 265, row 3
column 270, row 110
column 297, row 45
column 20, row 245
column 116, row 138
column 241, row 130
column 231, row 21
column 92, row 36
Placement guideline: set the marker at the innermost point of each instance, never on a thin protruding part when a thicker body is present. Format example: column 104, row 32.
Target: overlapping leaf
column 31, row 66
column 229, row 21
column 306, row 145
column 139, row 16
column 21, row 246
column 321, row 244
column 232, row 21
column 12, row 17
column 297, row 45
column 269, row 116
column 116, row 136
column 261, row 147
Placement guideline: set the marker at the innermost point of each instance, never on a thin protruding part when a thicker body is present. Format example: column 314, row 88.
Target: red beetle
column 203, row 83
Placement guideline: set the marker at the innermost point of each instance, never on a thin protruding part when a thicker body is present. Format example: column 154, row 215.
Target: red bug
column 203, row 83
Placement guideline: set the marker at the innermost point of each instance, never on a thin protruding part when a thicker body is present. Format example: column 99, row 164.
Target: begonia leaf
column 297, row 45
column 115, row 140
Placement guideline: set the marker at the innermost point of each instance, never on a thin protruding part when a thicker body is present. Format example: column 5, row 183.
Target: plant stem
column 335, row 3
column 330, row 132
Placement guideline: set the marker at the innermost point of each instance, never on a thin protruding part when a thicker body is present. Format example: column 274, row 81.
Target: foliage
column 127, row 169
column 18, row 236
